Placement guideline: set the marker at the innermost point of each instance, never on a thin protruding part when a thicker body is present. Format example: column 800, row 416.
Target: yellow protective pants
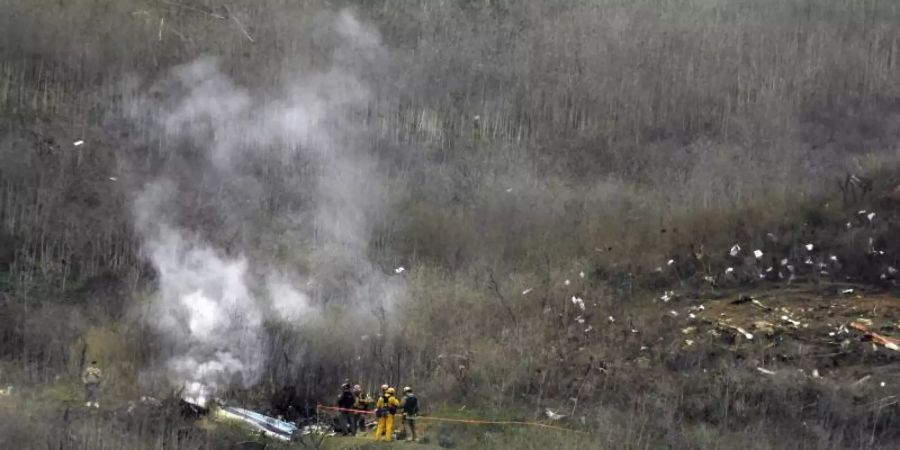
column 386, row 426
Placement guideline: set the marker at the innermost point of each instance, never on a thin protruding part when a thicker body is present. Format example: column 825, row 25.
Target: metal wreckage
column 199, row 400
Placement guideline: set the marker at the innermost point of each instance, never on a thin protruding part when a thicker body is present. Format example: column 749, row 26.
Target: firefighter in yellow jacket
column 385, row 408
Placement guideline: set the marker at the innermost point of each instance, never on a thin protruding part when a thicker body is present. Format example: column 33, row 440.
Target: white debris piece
column 579, row 319
column 509, row 190
column 78, row 143
column 709, row 279
column 554, row 415
column 809, row 247
column 861, row 212
column 688, row 342
column 758, row 254
column 847, row 291
column 791, row 321
column 526, row 291
column 849, row 225
column 692, row 316
column 588, row 329
column 745, row 333
column 815, row 373
column 113, row 179
column 765, row 371
column 567, row 282
column 883, row 384
column 400, row 270
column 673, row 313
column 670, row 262
column 735, row 250
column 784, row 262
column 871, row 216
column 577, row 301
column 611, row 319
column 581, row 274
column 833, row 258
column 729, row 271
column 668, row 295
column 892, row 270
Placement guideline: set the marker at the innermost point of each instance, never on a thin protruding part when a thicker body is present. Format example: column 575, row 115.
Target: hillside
column 674, row 223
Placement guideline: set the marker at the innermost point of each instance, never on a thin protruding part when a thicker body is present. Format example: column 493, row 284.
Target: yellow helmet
column 390, row 391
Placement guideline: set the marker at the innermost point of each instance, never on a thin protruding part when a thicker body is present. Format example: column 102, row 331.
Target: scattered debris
column 670, row 262
column 6, row 392
column 745, row 333
column 887, row 342
column 790, row 321
column 668, row 295
column 847, row 291
column 526, row 291
column 611, row 319
column 759, row 305
column 588, row 329
column 735, row 250
column 577, row 301
column 765, row 371
column 688, row 342
column 815, row 373
column 400, row 270
column 758, row 254
column 318, row 429
column 581, row 274
column 871, row 216
column 688, row 330
column 729, row 271
column 567, row 282
column 78, row 143
column 579, row 319
column 113, row 179
column 809, row 247
column 673, row 313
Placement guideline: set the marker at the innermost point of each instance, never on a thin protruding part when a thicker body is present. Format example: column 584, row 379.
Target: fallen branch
column 238, row 23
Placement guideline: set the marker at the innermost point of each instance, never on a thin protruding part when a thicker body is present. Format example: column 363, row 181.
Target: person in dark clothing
column 346, row 402
column 410, row 412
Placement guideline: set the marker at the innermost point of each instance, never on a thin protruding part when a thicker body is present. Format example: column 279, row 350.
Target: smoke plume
column 257, row 206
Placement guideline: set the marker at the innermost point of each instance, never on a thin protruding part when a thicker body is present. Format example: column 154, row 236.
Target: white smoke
column 199, row 212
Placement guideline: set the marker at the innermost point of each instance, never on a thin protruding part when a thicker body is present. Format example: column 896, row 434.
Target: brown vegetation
column 611, row 136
